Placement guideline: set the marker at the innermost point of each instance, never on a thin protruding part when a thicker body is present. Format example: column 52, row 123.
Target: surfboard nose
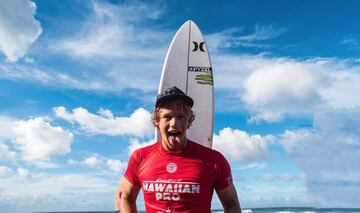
column 187, row 66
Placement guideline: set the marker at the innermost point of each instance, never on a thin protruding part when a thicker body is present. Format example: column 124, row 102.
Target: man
column 176, row 174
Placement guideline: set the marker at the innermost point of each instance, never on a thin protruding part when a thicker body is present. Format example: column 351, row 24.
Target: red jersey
column 178, row 182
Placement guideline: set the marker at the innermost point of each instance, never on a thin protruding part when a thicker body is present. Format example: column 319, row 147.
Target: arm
column 229, row 199
column 125, row 197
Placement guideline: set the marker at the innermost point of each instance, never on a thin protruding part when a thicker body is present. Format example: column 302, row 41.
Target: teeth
column 174, row 133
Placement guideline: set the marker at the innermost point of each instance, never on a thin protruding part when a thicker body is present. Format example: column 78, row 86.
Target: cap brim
column 187, row 100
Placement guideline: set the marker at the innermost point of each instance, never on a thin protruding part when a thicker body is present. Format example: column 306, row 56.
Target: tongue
column 174, row 137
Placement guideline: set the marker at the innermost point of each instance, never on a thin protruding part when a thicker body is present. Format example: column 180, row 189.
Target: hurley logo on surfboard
column 198, row 46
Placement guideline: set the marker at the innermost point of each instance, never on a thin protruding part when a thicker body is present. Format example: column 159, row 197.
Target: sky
column 78, row 81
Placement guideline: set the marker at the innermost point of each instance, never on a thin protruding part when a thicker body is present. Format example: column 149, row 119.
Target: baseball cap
column 171, row 94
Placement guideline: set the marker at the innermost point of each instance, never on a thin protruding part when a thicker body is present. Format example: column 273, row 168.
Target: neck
column 177, row 149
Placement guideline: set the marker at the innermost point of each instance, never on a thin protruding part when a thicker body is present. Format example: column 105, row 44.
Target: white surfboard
column 187, row 66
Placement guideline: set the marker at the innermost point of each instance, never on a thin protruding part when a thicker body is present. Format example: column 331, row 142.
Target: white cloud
column 276, row 193
column 6, row 154
column 291, row 85
column 268, row 177
column 350, row 42
column 239, row 145
column 104, row 164
column 75, row 192
column 328, row 156
column 342, row 90
column 271, row 88
column 230, row 38
column 72, row 162
column 279, row 177
column 92, row 161
column 113, row 27
column 37, row 139
column 4, row 171
column 6, row 124
column 137, row 124
column 116, row 41
column 18, row 27
column 116, row 166
column 287, row 177
column 113, row 40
column 252, row 165
column 23, row 172
column 51, row 78
column 34, row 140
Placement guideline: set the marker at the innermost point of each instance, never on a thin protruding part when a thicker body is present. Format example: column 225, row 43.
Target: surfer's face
column 172, row 123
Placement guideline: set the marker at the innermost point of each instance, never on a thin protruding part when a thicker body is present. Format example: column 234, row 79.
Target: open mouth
column 174, row 134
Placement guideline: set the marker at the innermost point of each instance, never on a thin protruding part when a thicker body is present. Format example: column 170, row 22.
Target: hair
column 155, row 117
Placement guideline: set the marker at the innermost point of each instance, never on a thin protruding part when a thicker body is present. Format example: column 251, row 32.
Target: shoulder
column 207, row 152
column 145, row 151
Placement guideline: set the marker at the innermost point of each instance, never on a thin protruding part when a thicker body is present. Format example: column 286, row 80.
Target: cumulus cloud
column 37, row 139
column 6, row 124
column 18, row 27
column 239, row 145
column 137, row 124
column 92, row 161
column 116, row 166
column 341, row 90
column 328, row 155
column 6, row 153
column 102, row 163
column 291, row 85
column 34, row 140
column 271, row 88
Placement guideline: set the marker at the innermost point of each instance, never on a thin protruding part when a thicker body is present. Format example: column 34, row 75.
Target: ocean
column 267, row 210
column 297, row 210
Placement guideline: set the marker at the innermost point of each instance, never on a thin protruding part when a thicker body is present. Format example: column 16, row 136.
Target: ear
column 189, row 123
column 156, row 124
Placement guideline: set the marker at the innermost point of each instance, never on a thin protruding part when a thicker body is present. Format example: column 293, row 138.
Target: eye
column 181, row 116
column 167, row 117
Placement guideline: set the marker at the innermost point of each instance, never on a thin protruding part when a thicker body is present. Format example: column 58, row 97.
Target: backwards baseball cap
column 172, row 94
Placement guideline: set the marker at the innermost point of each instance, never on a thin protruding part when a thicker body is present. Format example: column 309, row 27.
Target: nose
column 173, row 122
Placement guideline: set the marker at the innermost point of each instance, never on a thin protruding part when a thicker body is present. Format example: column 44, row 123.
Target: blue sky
column 78, row 80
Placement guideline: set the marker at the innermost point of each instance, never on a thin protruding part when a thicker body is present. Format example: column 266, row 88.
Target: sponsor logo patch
column 204, row 79
column 170, row 190
column 171, row 167
column 198, row 46
column 200, row 69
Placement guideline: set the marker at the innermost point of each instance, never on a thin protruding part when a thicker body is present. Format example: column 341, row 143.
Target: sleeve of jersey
column 132, row 169
column 224, row 177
